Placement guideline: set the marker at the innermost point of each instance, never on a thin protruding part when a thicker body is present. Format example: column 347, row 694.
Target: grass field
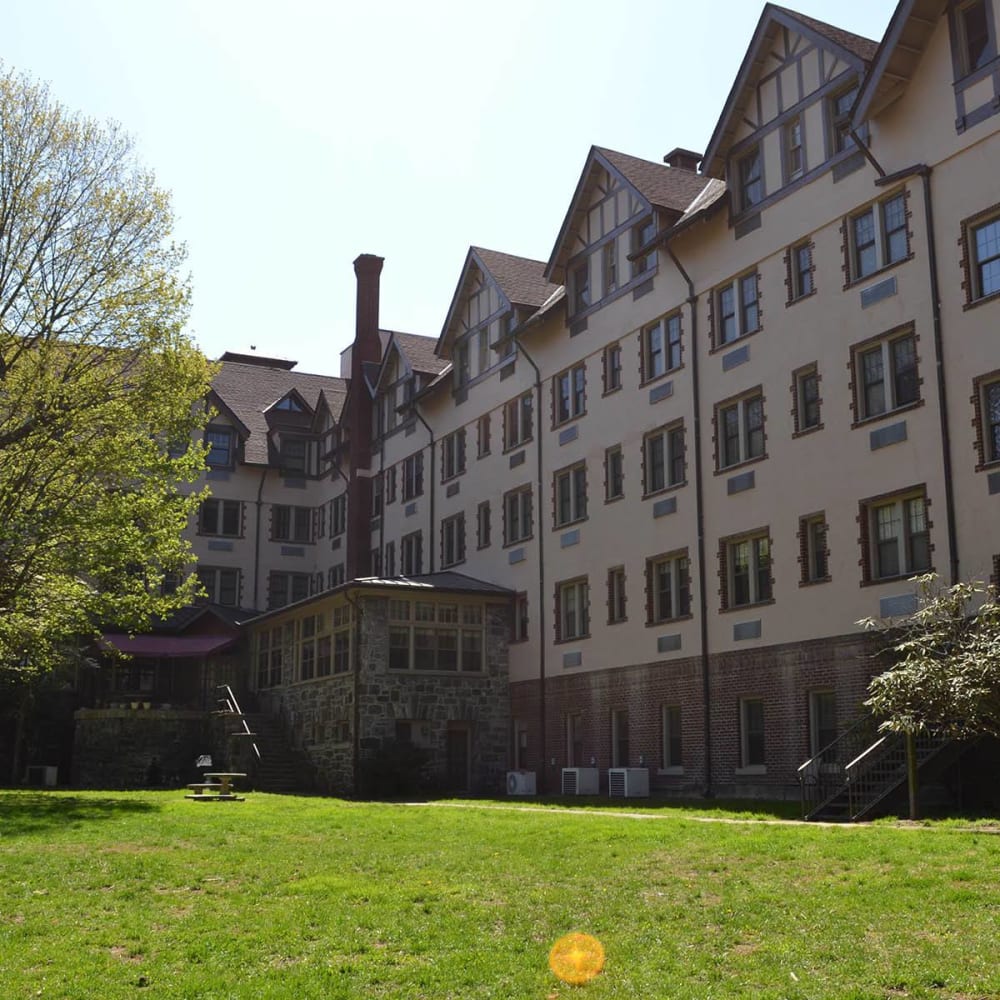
column 146, row 895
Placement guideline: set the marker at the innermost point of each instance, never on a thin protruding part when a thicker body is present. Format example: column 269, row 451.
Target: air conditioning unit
column 628, row 783
column 520, row 782
column 580, row 781
column 42, row 774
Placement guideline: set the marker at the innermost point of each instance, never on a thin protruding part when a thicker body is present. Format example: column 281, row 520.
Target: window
column 569, row 395
column 341, row 621
column 974, row 41
column 898, row 537
column 389, row 563
column 822, row 720
column 220, row 447
column 291, row 524
column 483, row 525
column 413, row 476
column 517, row 515
column 517, row 426
column 286, row 588
column 609, row 259
column 519, row 623
column 663, row 459
column 878, row 236
column 986, row 403
column 800, row 271
column 806, row 400
column 813, row 553
column 668, row 588
column 580, row 285
column 737, row 311
column 378, row 491
column 885, row 375
column 574, row 740
column 661, row 347
column 751, row 733
column 390, row 484
column 293, row 455
column 222, row 586
column 453, row 455
column 411, row 554
column 426, row 635
column 746, row 570
column 572, row 619
column 619, row 737
column 616, row 595
column 221, row 517
column 672, row 743
column 269, row 657
column 339, row 515
column 840, row 119
column 460, row 360
column 570, row 486
column 740, row 430
column 453, row 540
column 795, row 160
column 376, row 561
column 642, row 235
column 483, row 435
column 614, row 473
column 751, row 180
column 981, row 258
column 612, row 368
column 335, row 576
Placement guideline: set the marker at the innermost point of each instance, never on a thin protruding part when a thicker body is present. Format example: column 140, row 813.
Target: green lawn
column 108, row 895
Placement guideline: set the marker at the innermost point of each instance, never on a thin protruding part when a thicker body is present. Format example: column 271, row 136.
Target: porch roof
column 168, row 647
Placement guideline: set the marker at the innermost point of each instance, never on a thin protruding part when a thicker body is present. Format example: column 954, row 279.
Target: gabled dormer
column 496, row 293
column 292, row 446
column 225, row 436
column 787, row 117
column 606, row 246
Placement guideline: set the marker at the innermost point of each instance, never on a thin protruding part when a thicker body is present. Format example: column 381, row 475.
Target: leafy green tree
column 97, row 383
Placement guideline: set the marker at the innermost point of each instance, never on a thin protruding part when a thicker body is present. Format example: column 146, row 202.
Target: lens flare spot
column 576, row 958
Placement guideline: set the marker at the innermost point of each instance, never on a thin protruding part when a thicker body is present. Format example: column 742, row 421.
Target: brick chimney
column 683, row 159
column 366, row 352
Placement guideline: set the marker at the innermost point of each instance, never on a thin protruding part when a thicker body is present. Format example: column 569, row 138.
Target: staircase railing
column 822, row 776
column 232, row 706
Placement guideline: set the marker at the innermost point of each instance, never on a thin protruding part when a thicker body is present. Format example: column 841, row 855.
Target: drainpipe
column 700, row 522
column 256, row 547
column 543, row 784
column 432, row 489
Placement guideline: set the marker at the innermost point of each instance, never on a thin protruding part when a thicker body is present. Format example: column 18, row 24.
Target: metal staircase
column 848, row 779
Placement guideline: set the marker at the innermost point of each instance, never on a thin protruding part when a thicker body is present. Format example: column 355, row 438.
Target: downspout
column 432, row 489
column 543, row 784
column 699, row 504
column 356, row 670
column 256, row 547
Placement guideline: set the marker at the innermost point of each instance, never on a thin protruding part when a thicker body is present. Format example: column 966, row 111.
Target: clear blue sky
column 295, row 137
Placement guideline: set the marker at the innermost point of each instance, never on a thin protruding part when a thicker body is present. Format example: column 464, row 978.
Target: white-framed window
column 291, row 524
column 609, row 261
column 517, row 421
column 453, row 454
column 579, row 283
column 878, row 236
column 221, row 450
column 517, row 515
column 737, row 309
column 221, row 517
column 616, row 595
column 569, row 394
column 661, row 347
column 794, row 149
column 668, row 585
column 822, row 720
column 411, row 554
column 974, row 44
column 981, row 258
column 740, row 430
column 573, row 610
column 839, row 110
column 338, row 517
column 642, row 235
column 800, row 271
column 612, row 368
column 807, row 399
column 673, row 743
column 222, row 585
column 286, row 588
column 293, row 455
column 747, row 569
column 751, row 179
column 898, row 537
column 813, row 553
column 570, row 487
column 885, row 374
column 433, row 636
column 413, row 476
column 619, row 738
column 614, row 473
column 453, row 540
column 664, row 461
column 378, row 494
column 752, row 745
column 483, row 525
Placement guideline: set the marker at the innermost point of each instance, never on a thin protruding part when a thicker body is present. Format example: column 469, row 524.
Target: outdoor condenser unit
column 628, row 782
column 580, row 781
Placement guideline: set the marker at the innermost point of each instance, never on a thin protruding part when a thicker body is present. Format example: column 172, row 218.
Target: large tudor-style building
column 627, row 509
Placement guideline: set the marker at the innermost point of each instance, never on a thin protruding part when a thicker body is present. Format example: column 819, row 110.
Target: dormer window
column 840, row 118
column 642, row 235
column 976, row 47
column 290, row 405
column 293, row 454
column 794, row 152
column 751, row 180
column 580, row 284
column 220, row 447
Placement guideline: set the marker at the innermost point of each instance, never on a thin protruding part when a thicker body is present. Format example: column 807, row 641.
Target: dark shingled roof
column 419, row 351
column 521, row 279
column 863, row 48
column 672, row 188
column 249, row 389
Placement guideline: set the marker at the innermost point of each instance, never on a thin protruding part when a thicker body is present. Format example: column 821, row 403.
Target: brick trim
column 651, row 561
column 854, row 383
column 799, row 373
column 611, row 596
column 757, row 390
column 978, row 424
column 864, row 530
column 803, row 539
column 965, row 259
column 724, row 542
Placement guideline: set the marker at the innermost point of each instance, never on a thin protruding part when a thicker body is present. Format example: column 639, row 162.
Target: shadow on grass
column 25, row 813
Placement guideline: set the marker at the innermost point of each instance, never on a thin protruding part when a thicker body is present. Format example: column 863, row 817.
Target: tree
column 98, row 385
column 946, row 676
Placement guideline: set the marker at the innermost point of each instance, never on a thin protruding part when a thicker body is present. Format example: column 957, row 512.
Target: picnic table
column 219, row 790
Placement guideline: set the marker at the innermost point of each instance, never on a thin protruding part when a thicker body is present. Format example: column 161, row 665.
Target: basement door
column 459, row 757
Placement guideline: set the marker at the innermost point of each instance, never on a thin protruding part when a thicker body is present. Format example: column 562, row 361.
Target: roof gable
column 778, row 34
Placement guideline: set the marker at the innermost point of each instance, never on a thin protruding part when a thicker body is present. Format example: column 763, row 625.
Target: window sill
column 665, row 490
column 800, row 298
column 750, row 770
column 643, row 383
column 660, row 622
column 452, row 478
column 813, row 583
column 807, row 430
column 719, row 348
column 566, row 640
column 727, row 469
column 616, row 621
column 614, row 499
column 611, row 391
column 887, row 414
column 518, row 541
column 875, row 275
column 982, row 300
column 569, row 524
column 901, row 578
column 508, row 448
column 740, row 608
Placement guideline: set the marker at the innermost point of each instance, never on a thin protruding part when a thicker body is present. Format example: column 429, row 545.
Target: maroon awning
column 170, row 647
